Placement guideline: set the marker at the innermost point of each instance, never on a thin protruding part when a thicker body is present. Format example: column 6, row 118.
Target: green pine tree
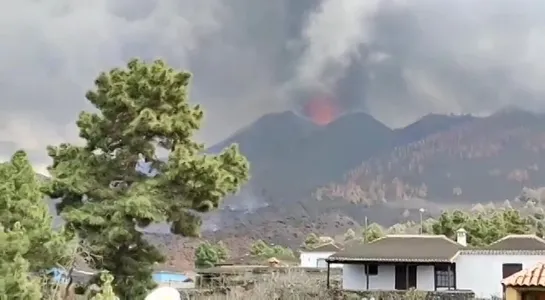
column 206, row 255
column 106, row 291
column 373, row 232
column 21, row 202
column 311, row 241
column 15, row 279
column 223, row 252
column 142, row 109
column 259, row 248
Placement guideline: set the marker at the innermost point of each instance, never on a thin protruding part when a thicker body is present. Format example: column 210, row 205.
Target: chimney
column 461, row 237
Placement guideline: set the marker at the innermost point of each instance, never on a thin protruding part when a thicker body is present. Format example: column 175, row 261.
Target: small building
column 436, row 263
column 249, row 260
column 316, row 257
column 173, row 279
column 528, row 284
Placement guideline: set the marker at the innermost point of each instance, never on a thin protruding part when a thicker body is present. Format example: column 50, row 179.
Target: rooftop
column 249, row 260
column 328, row 247
column 532, row 277
column 432, row 248
column 408, row 248
column 528, row 242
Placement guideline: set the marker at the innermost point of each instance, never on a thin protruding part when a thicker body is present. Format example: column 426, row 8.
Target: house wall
column 512, row 294
column 310, row 260
column 482, row 273
column 354, row 278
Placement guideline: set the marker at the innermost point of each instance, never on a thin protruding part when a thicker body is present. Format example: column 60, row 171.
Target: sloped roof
column 243, row 260
column 408, row 248
column 249, row 260
column 434, row 248
column 531, row 277
column 521, row 242
column 328, row 247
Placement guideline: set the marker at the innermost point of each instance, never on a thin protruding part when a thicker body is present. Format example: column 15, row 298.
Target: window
column 372, row 269
column 510, row 269
column 443, row 277
column 321, row 263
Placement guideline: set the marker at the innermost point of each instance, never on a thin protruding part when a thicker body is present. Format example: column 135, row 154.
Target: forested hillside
column 291, row 157
column 487, row 159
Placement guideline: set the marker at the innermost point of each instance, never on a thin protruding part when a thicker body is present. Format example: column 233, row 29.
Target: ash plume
column 394, row 59
column 331, row 36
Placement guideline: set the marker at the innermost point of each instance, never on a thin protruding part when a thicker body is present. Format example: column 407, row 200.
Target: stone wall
column 409, row 295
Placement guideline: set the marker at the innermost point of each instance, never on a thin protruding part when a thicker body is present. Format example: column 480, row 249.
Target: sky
column 395, row 59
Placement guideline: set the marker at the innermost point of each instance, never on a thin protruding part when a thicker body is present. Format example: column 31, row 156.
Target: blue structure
column 159, row 277
column 58, row 275
column 169, row 277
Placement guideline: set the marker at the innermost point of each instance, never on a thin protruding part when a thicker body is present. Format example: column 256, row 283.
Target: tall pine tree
column 22, row 203
column 141, row 109
column 15, row 279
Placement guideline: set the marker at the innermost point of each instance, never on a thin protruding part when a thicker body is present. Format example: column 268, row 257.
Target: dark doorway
column 534, row 295
column 400, row 277
column 405, row 277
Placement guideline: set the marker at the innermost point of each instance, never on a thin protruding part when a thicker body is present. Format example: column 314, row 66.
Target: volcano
column 321, row 109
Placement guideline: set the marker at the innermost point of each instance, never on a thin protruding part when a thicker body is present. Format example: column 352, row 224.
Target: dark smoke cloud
column 460, row 56
column 395, row 59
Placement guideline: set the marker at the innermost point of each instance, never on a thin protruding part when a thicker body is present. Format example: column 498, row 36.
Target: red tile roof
column 531, row 277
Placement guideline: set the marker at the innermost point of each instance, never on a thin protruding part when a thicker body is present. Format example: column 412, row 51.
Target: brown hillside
column 486, row 159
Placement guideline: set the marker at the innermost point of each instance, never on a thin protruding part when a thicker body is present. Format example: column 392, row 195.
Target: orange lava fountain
column 322, row 110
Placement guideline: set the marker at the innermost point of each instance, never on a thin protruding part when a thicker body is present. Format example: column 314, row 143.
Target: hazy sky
column 397, row 60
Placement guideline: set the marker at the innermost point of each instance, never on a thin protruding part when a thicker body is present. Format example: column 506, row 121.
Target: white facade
column 482, row 273
column 354, row 278
column 314, row 259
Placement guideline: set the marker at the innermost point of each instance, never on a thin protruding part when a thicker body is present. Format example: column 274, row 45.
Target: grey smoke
column 247, row 201
column 395, row 59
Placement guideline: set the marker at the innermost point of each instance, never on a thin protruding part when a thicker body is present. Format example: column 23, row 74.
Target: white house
column 316, row 257
column 434, row 262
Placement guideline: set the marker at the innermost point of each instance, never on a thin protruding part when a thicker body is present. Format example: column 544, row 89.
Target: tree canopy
column 261, row 249
column 372, row 232
column 208, row 255
column 483, row 227
column 22, row 203
column 116, row 181
column 15, row 282
column 311, row 241
column 106, row 291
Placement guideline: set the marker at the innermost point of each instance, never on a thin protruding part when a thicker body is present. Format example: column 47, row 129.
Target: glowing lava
column 322, row 110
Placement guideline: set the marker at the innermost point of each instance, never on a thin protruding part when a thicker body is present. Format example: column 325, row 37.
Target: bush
column 296, row 285
column 207, row 255
column 261, row 249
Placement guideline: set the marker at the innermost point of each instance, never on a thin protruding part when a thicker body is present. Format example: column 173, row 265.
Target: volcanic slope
column 482, row 160
column 291, row 157
column 264, row 138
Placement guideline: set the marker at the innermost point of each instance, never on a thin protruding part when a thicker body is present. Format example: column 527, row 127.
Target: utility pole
column 421, row 220
column 365, row 225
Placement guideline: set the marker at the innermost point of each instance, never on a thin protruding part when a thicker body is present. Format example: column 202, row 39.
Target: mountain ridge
column 317, row 155
column 309, row 178
column 504, row 149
